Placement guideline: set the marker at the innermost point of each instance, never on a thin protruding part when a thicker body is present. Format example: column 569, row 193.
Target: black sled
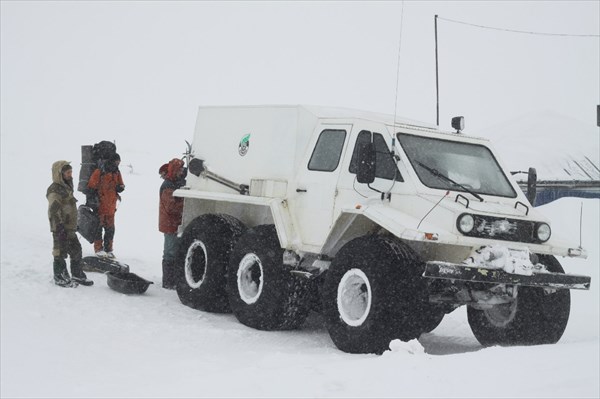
column 127, row 283
column 103, row 265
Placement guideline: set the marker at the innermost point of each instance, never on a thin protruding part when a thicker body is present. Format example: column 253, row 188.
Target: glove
column 120, row 188
column 61, row 233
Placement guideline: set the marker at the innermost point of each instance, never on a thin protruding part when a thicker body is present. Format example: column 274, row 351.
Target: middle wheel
column 263, row 294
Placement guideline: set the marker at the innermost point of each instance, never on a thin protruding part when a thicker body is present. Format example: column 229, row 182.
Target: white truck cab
column 382, row 225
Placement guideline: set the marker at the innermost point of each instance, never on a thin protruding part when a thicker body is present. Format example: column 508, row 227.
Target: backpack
column 103, row 150
column 93, row 157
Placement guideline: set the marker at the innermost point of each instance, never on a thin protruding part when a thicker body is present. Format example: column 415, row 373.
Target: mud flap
column 103, row 265
column 452, row 271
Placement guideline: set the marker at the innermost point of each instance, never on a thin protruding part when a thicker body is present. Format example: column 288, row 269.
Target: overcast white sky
column 133, row 71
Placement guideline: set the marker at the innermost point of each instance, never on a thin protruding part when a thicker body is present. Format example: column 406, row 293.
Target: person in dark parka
column 62, row 214
column 169, row 218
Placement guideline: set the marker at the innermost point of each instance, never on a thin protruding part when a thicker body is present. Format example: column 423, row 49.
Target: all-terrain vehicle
column 383, row 226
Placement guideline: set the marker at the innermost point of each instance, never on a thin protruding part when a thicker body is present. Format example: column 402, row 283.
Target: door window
column 327, row 152
column 385, row 167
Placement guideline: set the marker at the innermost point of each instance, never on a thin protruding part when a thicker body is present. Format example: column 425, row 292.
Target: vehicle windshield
column 471, row 165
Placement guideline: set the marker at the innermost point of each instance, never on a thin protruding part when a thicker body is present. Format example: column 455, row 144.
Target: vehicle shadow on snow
column 434, row 343
column 437, row 344
column 451, row 337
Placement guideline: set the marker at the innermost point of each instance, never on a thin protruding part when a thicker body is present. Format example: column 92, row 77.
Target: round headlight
column 543, row 232
column 466, row 223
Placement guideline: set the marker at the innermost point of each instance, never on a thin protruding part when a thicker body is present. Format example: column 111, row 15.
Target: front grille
column 503, row 229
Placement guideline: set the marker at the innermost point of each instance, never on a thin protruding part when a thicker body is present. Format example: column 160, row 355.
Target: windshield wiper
column 437, row 173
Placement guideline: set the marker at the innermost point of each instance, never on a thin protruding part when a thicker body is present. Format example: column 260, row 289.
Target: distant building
column 564, row 151
column 550, row 190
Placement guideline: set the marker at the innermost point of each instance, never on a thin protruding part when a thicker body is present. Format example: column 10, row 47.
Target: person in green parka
column 62, row 213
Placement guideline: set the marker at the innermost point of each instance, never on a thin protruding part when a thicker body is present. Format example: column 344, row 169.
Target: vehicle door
column 317, row 181
column 388, row 172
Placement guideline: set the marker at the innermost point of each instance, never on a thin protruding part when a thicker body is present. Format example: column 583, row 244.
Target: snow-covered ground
column 95, row 342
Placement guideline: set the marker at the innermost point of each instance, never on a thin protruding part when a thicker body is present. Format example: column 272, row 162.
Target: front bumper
column 453, row 271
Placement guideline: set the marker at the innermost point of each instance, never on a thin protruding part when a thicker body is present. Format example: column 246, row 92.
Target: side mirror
column 531, row 185
column 196, row 166
column 366, row 164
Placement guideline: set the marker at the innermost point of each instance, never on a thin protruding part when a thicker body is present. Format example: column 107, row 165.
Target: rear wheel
column 536, row 316
column 201, row 265
column 373, row 293
column 262, row 292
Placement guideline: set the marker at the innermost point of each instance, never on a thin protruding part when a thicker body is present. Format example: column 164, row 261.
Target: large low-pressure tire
column 201, row 265
column 263, row 293
column 374, row 293
column 535, row 317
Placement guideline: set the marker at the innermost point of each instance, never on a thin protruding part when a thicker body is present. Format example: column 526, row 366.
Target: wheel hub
column 195, row 264
column 354, row 297
column 502, row 315
column 250, row 278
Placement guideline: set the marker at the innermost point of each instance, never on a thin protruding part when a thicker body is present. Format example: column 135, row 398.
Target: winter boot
column 61, row 275
column 78, row 273
column 108, row 248
column 98, row 246
column 168, row 279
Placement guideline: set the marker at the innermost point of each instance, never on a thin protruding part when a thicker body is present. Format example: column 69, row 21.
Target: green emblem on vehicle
column 244, row 145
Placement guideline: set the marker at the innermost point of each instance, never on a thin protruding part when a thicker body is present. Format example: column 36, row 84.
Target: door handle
column 300, row 190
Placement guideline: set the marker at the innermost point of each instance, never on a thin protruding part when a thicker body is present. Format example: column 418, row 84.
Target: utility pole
column 437, row 86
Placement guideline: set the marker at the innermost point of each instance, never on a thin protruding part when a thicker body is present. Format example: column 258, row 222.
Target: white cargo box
column 268, row 188
column 245, row 143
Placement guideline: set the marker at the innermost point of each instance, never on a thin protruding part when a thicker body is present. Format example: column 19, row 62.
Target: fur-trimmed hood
column 57, row 174
column 62, row 208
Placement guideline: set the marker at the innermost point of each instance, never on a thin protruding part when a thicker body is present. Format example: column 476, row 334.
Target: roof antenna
column 387, row 194
column 398, row 66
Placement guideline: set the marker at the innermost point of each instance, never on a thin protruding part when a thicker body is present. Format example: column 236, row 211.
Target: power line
column 516, row 31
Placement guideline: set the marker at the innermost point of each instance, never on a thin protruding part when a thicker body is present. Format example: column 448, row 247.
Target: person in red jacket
column 169, row 218
column 162, row 171
column 107, row 182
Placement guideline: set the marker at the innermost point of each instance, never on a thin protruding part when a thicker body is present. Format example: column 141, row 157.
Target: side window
column 386, row 167
column 363, row 137
column 327, row 152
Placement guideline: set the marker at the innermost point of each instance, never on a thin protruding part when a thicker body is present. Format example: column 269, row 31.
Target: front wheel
column 373, row 293
column 535, row 317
